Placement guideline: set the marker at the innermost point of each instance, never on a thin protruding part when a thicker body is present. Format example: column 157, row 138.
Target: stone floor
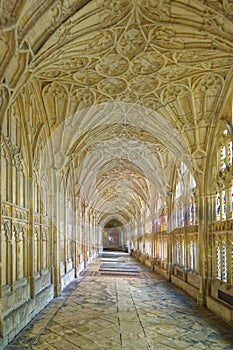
column 118, row 303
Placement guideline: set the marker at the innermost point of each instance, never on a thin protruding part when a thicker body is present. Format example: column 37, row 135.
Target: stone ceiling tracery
column 125, row 86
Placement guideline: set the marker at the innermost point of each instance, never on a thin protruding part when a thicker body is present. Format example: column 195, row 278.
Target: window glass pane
column 223, row 157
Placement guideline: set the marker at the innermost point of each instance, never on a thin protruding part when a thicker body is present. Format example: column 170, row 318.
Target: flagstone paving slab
column 118, row 311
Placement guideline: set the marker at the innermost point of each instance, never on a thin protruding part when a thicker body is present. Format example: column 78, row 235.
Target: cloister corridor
column 116, row 134
column 118, row 303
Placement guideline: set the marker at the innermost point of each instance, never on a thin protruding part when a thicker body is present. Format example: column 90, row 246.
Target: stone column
column 169, row 235
column 65, row 229
column 31, row 239
column 55, row 214
column 84, row 232
column 4, row 101
column 205, row 220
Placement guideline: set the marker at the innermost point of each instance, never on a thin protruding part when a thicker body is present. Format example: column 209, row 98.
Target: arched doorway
column 113, row 236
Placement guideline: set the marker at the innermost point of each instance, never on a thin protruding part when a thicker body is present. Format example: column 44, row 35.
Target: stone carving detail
column 51, row 74
column 87, row 77
column 114, row 9
column 8, row 18
column 147, row 63
column 173, row 92
column 155, row 9
column 4, row 48
column 209, row 83
column 112, row 65
column 165, row 37
column 55, row 98
column 150, row 83
column 227, row 6
column 112, row 86
column 75, row 63
column 81, row 99
column 206, row 89
column 127, row 96
column 96, row 43
column 4, row 100
column 175, row 72
column 132, row 43
column 151, row 102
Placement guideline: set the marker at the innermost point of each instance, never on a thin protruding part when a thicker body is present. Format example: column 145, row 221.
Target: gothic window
column 25, row 253
column 45, row 251
column 223, row 157
column 230, row 153
column 218, row 206
column 14, row 254
column 218, row 260
column 224, row 208
column 44, row 197
column 36, row 204
column 6, row 256
column 190, row 213
column 14, row 183
column 4, row 179
column 37, row 250
column 191, row 257
column 221, row 260
column 224, row 262
column 195, row 256
column 177, row 252
column 22, row 188
column 183, row 254
column 160, row 248
column 176, row 217
column 14, row 127
column 165, row 250
column 19, row 256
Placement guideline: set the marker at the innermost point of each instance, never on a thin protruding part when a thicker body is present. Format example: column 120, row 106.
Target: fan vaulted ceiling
column 126, row 88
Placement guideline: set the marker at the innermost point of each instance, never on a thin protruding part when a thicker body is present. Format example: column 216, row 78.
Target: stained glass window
column 230, row 152
column 183, row 254
column 177, row 252
column 224, row 262
column 191, row 262
column 224, row 207
column 190, row 214
column 195, row 255
column 218, row 262
column 218, row 207
column 223, row 157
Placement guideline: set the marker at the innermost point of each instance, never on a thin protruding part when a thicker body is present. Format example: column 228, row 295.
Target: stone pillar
column 65, row 229
column 169, row 236
column 1, row 258
column 90, row 233
column 76, row 235
column 4, row 101
column 31, row 239
column 84, row 233
column 56, row 240
column 205, row 219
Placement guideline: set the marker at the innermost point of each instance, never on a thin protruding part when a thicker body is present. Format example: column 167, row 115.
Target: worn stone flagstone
column 115, row 312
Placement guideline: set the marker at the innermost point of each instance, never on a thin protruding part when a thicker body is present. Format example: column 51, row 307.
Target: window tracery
column 224, row 181
column 222, row 259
